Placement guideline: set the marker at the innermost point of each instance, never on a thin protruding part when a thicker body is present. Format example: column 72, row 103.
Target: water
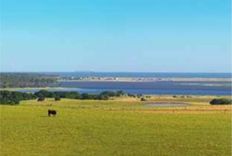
column 173, row 88
column 143, row 74
column 159, row 87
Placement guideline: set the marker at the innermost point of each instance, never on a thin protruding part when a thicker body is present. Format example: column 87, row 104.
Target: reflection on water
column 172, row 88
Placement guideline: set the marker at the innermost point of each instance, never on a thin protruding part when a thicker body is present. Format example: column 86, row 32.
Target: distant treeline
column 222, row 101
column 20, row 80
column 76, row 95
column 8, row 97
column 13, row 98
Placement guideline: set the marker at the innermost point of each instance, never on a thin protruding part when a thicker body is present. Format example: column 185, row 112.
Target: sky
column 115, row 35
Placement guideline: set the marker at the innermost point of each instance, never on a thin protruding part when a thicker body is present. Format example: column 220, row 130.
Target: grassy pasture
column 115, row 127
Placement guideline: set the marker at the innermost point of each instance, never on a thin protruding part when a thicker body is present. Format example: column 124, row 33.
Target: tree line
column 20, row 80
column 76, row 95
column 222, row 101
column 13, row 97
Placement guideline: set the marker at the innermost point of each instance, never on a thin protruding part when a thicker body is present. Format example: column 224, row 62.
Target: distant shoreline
column 146, row 79
column 152, row 95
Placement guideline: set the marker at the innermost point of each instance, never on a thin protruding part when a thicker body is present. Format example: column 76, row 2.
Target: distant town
column 142, row 79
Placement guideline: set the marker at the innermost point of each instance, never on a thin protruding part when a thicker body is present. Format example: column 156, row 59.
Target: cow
column 51, row 112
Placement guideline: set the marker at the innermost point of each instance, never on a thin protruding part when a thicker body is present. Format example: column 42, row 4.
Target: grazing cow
column 51, row 112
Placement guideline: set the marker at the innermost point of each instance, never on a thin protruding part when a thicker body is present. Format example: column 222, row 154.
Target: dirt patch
column 188, row 111
column 166, row 104
column 177, row 111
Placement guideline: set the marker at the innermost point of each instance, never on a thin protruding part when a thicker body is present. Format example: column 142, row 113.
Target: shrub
column 143, row 99
column 108, row 93
column 103, row 97
column 12, row 98
column 120, row 93
column 221, row 101
column 131, row 95
column 72, row 95
column 44, row 93
column 57, row 98
column 41, row 98
column 8, row 97
column 84, row 96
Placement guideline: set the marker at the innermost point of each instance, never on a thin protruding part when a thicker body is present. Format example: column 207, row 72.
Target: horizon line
column 115, row 72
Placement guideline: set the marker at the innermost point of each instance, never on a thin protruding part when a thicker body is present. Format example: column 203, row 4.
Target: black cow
column 51, row 112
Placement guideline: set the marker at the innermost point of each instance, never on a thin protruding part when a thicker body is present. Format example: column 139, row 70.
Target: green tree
column 57, row 98
column 41, row 98
column 221, row 101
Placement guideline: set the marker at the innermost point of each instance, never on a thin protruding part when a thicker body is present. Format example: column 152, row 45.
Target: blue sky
column 115, row 35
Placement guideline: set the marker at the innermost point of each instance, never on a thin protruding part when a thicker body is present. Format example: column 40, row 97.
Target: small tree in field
column 221, row 101
column 57, row 98
column 41, row 98
column 142, row 99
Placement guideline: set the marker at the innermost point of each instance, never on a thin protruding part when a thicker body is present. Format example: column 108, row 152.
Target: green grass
column 111, row 128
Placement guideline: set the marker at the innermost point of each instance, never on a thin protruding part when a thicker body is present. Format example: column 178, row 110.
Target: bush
column 8, row 97
column 103, row 97
column 13, row 98
column 86, row 96
column 221, row 102
column 131, row 95
column 41, row 98
column 143, row 99
column 44, row 93
column 57, row 98
column 72, row 95
column 109, row 94
column 120, row 93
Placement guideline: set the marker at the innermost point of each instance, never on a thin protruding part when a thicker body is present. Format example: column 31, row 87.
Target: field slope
column 113, row 128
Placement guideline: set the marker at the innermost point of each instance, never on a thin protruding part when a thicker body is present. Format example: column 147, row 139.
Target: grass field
column 122, row 127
